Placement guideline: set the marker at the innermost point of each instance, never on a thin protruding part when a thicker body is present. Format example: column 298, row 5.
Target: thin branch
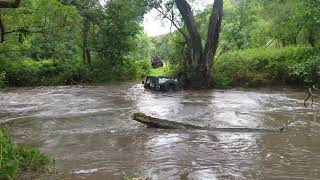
column 312, row 95
column 173, row 23
column 270, row 43
column 226, row 49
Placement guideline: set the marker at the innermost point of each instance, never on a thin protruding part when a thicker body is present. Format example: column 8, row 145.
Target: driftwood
column 152, row 122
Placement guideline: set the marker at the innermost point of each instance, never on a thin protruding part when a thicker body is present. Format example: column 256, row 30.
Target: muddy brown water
column 90, row 132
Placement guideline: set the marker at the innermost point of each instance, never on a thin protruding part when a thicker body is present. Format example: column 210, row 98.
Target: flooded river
column 91, row 134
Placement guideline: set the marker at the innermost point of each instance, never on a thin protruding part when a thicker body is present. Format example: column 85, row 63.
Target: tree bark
column 213, row 38
column 85, row 49
column 192, row 76
column 10, row 4
column 153, row 122
column 202, row 59
column 190, row 22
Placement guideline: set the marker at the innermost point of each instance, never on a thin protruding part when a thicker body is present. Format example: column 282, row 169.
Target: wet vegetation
column 296, row 66
column 69, row 42
column 261, row 43
column 20, row 161
column 66, row 42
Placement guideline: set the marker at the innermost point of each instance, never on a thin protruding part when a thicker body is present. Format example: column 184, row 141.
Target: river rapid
column 90, row 132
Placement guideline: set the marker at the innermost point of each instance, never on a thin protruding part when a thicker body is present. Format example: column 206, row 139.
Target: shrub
column 16, row 159
column 29, row 72
column 3, row 81
column 255, row 67
column 8, row 162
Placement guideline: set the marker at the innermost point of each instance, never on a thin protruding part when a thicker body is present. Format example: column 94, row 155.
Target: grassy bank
column 296, row 66
column 17, row 161
column 27, row 72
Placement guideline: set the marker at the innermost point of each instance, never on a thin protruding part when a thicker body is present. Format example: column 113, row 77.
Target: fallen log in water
column 153, row 122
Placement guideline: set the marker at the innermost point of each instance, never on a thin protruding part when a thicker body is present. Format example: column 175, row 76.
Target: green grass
column 296, row 66
column 21, row 161
column 157, row 72
column 29, row 72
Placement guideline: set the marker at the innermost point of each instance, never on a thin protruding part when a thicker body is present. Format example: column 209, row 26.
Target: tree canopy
column 105, row 42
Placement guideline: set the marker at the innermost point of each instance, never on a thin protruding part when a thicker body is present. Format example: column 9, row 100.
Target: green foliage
column 143, row 48
column 16, row 159
column 255, row 67
column 117, row 36
column 32, row 160
column 51, row 30
column 28, row 72
column 44, row 42
column 3, row 81
column 157, row 72
column 50, row 50
column 8, row 162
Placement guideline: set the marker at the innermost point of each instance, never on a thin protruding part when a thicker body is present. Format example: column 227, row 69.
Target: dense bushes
column 255, row 67
column 2, row 79
column 29, row 72
column 17, row 159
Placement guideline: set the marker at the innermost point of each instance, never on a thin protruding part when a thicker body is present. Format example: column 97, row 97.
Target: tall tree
column 199, row 58
column 91, row 11
column 85, row 46
column 6, row 4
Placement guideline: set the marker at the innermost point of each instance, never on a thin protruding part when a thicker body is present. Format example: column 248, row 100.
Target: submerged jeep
column 161, row 83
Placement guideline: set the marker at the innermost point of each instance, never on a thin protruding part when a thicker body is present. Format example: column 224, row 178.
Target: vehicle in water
column 161, row 83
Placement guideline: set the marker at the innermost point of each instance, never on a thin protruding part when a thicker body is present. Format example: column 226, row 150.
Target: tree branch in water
column 153, row 122
column 311, row 95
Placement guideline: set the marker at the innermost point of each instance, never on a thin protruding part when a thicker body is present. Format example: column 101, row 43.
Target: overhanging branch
column 172, row 23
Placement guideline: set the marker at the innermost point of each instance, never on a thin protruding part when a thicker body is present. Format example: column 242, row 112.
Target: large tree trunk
column 85, row 49
column 198, row 71
column 193, row 69
column 213, row 38
column 153, row 122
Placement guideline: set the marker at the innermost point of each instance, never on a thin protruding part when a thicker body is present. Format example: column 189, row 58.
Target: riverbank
column 21, row 161
column 291, row 66
column 28, row 72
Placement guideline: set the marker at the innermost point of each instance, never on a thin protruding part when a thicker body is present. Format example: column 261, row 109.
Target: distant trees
column 54, row 27
column 51, row 42
column 291, row 22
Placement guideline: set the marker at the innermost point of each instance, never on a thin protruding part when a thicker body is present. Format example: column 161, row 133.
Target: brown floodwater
column 91, row 134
